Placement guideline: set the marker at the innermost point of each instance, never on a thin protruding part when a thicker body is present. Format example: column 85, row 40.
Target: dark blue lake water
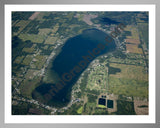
column 76, row 55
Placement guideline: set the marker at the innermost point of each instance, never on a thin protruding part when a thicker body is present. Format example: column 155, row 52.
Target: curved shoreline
column 59, row 94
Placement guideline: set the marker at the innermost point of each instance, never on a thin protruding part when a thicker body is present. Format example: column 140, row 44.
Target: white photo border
column 79, row 118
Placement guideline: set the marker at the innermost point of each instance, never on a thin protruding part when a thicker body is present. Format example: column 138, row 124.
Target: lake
column 74, row 58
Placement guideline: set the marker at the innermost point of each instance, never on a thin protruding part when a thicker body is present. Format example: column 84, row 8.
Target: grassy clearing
column 128, row 87
column 133, row 30
column 55, row 29
column 130, row 72
column 38, row 61
column 101, row 106
column 80, row 110
column 45, row 47
column 19, row 59
column 131, row 81
column 143, row 31
column 21, row 24
column 28, row 50
column 80, row 17
column 51, row 40
column 133, row 41
column 92, row 98
column 41, row 15
column 97, row 80
column 31, row 74
column 128, row 61
column 27, row 60
column 31, row 81
column 40, row 37
column 34, row 15
column 100, row 112
column 32, row 37
column 44, row 31
column 133, row 49
column 89, row 108
column 70, row 16
column 27, row 86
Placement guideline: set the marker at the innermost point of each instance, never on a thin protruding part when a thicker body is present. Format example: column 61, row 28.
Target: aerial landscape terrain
column 80, row 63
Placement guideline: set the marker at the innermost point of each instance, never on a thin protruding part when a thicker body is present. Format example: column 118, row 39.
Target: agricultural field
column 133, row 49
column 133, row 41
column 139, row 61
column 38, row 61
column 19, row 59
column 27, row 60
column 141, row 107
column 34, row 15
column 55, row 29
column 132, row 79
column 134, row 32
column 51, row 40
column 32, row 37
column 30, row 82
column 28, row 85
column 79, row 17
column 31, row 74
column 29, row 49
column 20, row 26
column 143, row 32
column 44, row 31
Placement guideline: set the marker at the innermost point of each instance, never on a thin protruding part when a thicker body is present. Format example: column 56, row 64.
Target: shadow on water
column 75, row 50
